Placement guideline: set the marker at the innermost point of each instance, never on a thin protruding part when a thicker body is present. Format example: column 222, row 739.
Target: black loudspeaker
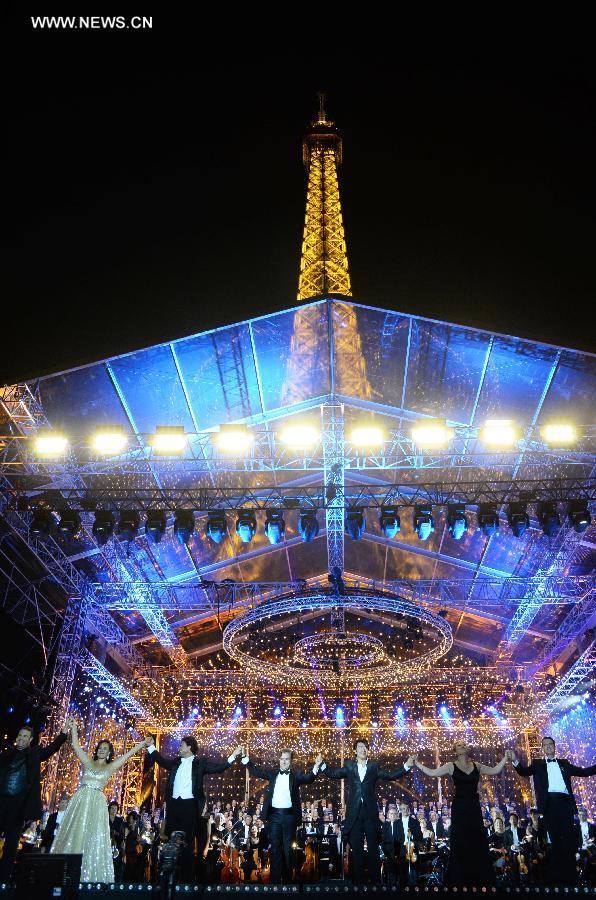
column 48, row 875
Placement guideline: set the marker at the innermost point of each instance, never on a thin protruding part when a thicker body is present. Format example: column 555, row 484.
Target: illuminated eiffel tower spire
column 324, row 263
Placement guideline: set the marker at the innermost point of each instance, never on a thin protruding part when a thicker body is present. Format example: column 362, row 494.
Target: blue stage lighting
column 41, row 523
column 355, row 524
column 389, row 521
column 216, row 527
column 70, row 523
column 103, row 526
column 278, row 710
column 155, row 526
column 275, row 526
column 579, row 515
column 424, row 524
column 184, row 525
column 128, row 524
column 457, row 521
column 518, row 518
column 549, row 518
column 308, row 525
column 246, row 525
column 488, row 518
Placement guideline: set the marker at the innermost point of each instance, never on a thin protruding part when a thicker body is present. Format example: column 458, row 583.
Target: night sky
column 153, row 194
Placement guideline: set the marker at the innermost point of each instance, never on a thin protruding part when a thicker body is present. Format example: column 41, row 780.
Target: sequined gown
column 86, row 828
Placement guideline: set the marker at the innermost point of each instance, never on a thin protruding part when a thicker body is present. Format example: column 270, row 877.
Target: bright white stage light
column 300, row 435
column 169, row 439
column 431, row 434
column 499, row 433
column 559, row 434
column 50, row 444
column 234, row 438
column 367, row 436
column 110, row 441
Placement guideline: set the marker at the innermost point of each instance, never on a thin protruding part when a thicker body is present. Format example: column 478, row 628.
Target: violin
column 411, row 854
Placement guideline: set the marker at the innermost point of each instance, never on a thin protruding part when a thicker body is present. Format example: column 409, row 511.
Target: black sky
column 152, row 194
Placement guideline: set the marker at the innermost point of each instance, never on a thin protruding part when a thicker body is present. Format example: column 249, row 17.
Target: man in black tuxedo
column 395, row 834
column 281, row 809
column 336, row 849
column 362, row 814
column 555, row 801
column 586, row 831
column 20, row 789
column 436, row 826
column 52, row 825
column 514, row 835
column 185, row 795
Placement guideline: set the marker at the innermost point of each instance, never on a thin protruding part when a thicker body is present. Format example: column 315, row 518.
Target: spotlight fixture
column 216, row 527
column 308, row 525
column 42, row 522
column 103, row 526
column 184, row 525
column 431, row 434
column 275, row 526
column 518, row 518
column 488, row 518
column 50, row 444
column 128, row 524
column 457, row 521
column 234, row 438
column 109, row 441
column 355, row 524
column 367, row 436
column 424, row 524
column 246, row 525
column 499, row 433
column 549, row 518
column 169, row 440
column 70, row 523
column 155, row 526
column 300, row 435
column 579, row 515
column 560, row 434
column 389, row 521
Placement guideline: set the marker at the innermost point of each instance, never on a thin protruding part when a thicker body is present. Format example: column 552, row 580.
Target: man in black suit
column 586, row 831
column 52, row 825
column 395, row 837
column 555, row 801
column 514, row 835
column 20, row 789
column 336, row 848
column 185, row 795
column 362, row 815
column 282, row 810
column 436, row 826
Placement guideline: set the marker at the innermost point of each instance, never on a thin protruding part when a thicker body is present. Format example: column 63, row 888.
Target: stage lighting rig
column 42, row 522
column 103, row 526
column 308, row 525
column 423, row 521
column 579, row 515
column 518, row 518
column 389, row 521
column 275, row 526
column 184, row 525
column 488, row 518
column 70, row 523
column 246, row 525
column 549, row 518
column 128, row 524
column 457, row 521
column 155, row 526
column 355, row 524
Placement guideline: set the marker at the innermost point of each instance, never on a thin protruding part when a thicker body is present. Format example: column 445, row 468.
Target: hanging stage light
column 246, row 525
column 103, row 526
column 275, row 526
column 457, row 521
column 155, row 526
column 70, row 523
column 355, row 524
column 42, row 523
column 431, row 434
column 559, row 435
column 549, row 518
column 308, row 525
column 389, row 521
column 109, row 441
column 234, row 439
column 424, row 523
column 128, row 524
column 299, row 436
column 216, row 527
column 488, row 518
column 367, row 437
column 169, row 440
column 518, row 518
column 500, row 433
column 579, row 515
column 184, row 525
column 50, row 444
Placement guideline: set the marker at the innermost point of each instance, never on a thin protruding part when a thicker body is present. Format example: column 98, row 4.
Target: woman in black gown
column 469, row 858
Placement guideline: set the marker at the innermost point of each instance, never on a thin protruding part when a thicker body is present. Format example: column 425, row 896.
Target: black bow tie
column 287, row 772
column 551, row 760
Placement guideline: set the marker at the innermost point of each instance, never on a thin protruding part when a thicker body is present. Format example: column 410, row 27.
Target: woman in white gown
column 86, row 825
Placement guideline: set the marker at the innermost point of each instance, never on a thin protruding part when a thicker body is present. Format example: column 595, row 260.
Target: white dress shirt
column 281, row 792
column 555, row 777
column 182, row 789
column 515, row 834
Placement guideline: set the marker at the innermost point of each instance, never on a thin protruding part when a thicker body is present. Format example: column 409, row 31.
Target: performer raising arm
column 555, row 801
column 469, row 858
column 86, row 824
column 362, row 817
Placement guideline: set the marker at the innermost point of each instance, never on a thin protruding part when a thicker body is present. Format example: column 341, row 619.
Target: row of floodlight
column 427, row 434
column 128, row 524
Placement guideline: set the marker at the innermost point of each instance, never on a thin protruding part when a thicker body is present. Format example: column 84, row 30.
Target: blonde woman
column 469, row 858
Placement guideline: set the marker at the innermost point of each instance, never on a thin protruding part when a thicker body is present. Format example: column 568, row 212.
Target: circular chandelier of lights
column 318, row 657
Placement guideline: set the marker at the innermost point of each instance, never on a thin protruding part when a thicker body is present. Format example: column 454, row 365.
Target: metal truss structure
column 569, row 683
column 324, row 263
column 334, row 477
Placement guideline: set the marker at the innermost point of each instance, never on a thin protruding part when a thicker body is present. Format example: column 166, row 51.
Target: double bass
column 231, row 872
